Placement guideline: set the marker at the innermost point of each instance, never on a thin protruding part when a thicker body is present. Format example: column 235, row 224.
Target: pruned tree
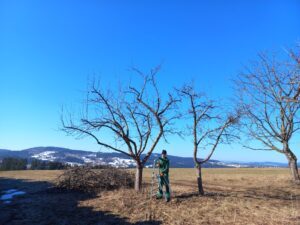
column 269, row 118
column 208, row 125
column 137, row 118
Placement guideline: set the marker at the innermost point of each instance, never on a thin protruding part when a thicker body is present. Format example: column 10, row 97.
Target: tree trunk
column 138, row 178
column 199, row 180
column 293, row 166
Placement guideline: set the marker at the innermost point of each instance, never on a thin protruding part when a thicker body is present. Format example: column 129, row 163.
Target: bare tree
column 268, row 117
column 208, row 126
column 137, row 118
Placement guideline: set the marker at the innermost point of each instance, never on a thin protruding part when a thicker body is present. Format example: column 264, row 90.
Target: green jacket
column 163, row 165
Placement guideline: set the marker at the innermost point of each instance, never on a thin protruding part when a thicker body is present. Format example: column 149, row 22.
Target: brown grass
column 233, row 196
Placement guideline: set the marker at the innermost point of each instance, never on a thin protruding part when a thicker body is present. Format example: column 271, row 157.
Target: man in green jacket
column 163, row 165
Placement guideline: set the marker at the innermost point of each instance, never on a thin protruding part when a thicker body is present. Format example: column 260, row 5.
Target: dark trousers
column 163, row 181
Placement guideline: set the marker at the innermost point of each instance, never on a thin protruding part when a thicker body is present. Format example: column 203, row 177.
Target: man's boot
column 159, row 195
column 168, row 197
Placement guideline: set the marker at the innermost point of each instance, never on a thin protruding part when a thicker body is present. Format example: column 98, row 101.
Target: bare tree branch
column 135, row 122
column 271, row 116
column 206, row 126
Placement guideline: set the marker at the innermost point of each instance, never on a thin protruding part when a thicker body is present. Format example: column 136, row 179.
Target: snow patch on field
column 119, row 162
column 9, row 194
column 74, row 164
column 229, row 164
column 88, row 160
column 47, row 155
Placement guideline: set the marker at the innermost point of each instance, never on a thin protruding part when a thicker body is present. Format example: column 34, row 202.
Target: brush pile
column 84, row 179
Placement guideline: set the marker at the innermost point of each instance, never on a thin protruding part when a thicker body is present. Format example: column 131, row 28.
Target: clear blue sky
column 48, row 49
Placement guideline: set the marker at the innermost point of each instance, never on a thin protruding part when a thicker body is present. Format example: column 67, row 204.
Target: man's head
column 164, row 153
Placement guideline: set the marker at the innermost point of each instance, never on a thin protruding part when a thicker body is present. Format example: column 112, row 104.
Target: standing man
column 163, row 165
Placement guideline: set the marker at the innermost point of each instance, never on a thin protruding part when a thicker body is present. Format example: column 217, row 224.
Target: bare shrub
column 84, row 179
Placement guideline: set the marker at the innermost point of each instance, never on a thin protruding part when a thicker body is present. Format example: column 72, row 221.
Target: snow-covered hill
column 79, row 157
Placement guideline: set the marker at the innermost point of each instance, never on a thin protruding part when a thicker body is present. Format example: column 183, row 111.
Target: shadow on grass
column 196, row 194
column 248, row 193
column 43, row 204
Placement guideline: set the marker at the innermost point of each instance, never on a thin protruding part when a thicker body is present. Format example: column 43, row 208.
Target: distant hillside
column 79, row 157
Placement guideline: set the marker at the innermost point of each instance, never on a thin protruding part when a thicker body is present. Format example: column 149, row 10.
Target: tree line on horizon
column 265, row 109
column 19, row 163
column 13, row 163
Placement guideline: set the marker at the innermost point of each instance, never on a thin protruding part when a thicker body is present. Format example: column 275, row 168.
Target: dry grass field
column 233, row 196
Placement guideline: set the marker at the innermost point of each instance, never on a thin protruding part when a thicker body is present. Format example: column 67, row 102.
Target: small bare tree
column 268, row 117
column 208, row 126
column 137, row 119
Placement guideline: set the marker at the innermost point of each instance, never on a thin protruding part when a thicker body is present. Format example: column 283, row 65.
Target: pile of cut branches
column 84, row 179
